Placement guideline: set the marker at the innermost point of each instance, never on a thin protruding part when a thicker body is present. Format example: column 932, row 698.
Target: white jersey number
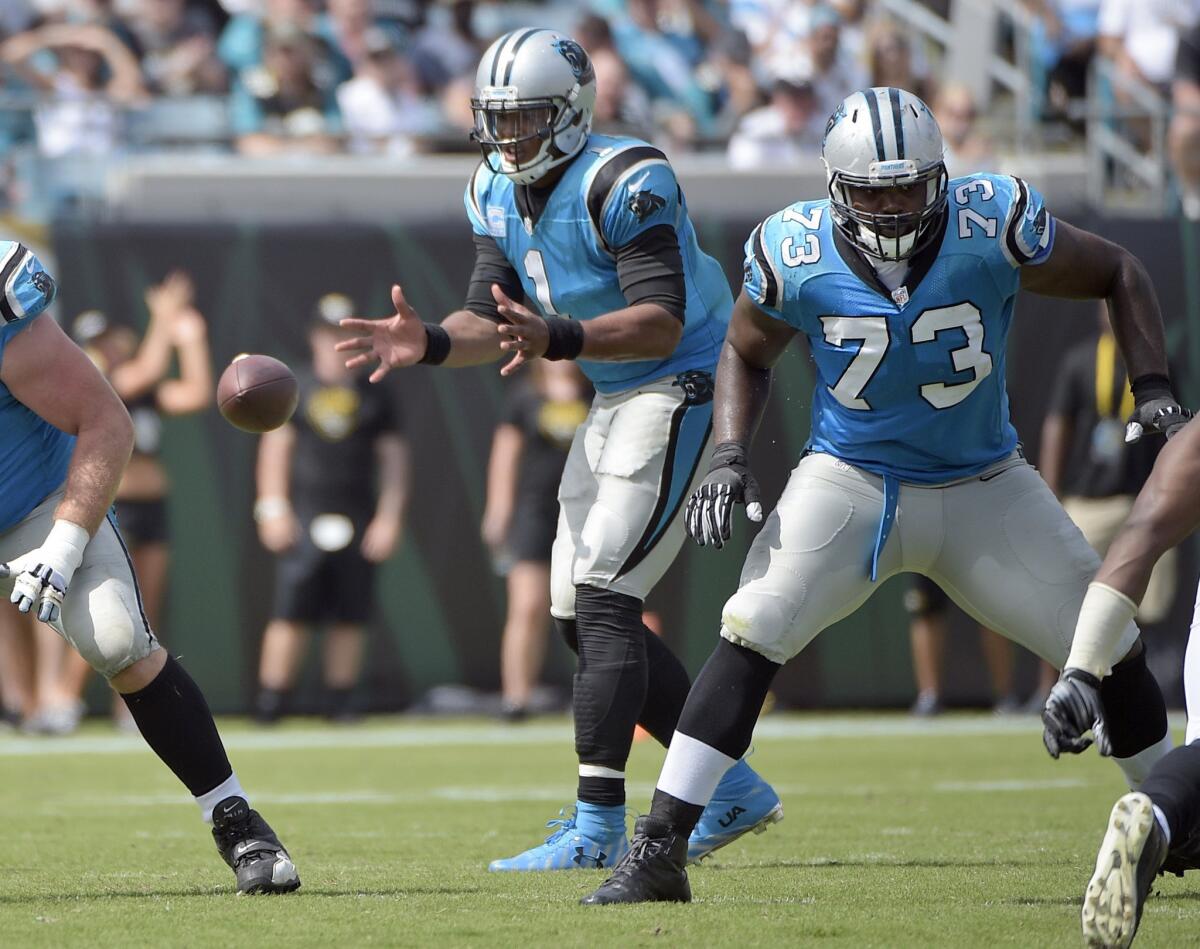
column 810, row 252
column 872, row 333
column 536, row 268
column 967, row 216
column 961, row 316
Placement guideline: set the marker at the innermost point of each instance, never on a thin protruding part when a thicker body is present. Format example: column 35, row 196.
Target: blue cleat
column 592, row 838
column 743, row 802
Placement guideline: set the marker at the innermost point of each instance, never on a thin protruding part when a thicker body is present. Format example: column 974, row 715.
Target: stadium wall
column 440, row 606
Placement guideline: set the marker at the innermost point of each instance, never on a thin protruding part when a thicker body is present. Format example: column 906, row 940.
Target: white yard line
column 409, row 734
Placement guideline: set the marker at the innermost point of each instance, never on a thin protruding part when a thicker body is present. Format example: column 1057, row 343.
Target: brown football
column 257, row 393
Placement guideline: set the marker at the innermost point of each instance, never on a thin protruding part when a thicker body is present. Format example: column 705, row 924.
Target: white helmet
column 533, row 84
column 885, row 138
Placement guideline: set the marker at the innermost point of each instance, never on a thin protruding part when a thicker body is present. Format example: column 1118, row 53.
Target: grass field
column 961, row 832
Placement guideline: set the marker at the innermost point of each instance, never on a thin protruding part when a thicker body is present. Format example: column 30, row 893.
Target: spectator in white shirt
column 382, row 106
column 784, row 134
column 94, row 76
column 1142, row 36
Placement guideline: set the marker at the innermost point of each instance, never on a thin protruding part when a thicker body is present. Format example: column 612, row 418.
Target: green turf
column 962, row 834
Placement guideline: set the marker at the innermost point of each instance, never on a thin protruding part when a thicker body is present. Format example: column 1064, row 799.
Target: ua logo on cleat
column 586, row 859
column 731, row 815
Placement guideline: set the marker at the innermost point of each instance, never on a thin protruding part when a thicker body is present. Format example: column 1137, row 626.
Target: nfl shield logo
column 900, row 295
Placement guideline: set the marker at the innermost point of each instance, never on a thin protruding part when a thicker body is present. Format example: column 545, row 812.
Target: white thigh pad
column 807, row 568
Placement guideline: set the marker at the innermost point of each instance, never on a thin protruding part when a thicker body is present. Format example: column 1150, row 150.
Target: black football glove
column 728, row 482
column 1155, row 409
column 1072, row 708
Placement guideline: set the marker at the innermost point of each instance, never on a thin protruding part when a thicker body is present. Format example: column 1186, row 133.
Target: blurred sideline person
column 139, row 372
column 1088, row 465
column 904, row 283
column 17, row 690
column 332, row 489
column 596, row 227
column 529, row 450
column 66, row 439
column 928, row 608
column 1155, row 829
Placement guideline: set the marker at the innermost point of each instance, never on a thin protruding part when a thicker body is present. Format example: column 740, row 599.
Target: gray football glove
column 1072, row 708
column 709, row 512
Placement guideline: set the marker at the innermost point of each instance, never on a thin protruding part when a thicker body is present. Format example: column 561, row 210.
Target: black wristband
column 729, row 453
column 1151, row 385
column 437, row 345
column 566, row 338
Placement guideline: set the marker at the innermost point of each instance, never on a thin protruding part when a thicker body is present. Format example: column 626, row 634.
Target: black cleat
column 651, row 872
column 1130, row 857
column 251, row 848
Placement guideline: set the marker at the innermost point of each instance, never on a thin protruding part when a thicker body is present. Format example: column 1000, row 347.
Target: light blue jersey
column 910, row 382
column 33, row 453
column 612, row 192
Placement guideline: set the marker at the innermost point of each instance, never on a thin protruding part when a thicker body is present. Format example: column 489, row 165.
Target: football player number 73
column 872, row 333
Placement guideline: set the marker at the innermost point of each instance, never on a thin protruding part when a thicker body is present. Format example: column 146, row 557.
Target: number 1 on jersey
column 536, row 268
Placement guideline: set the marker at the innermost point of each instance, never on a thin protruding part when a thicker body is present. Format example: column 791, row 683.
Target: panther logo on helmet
column 573, row 53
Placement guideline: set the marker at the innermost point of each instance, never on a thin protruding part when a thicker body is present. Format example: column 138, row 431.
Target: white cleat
column 1130, row 857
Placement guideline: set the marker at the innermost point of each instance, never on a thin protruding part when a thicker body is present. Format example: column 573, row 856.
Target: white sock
column 1162, row 822
column 1137, row 768
column 230, row 787
column 693, row 770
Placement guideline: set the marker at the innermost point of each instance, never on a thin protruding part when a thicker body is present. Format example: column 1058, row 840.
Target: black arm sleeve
column 650, row 269
column 491, row 266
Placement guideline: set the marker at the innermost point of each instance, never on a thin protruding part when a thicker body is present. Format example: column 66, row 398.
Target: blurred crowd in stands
column 754, row 78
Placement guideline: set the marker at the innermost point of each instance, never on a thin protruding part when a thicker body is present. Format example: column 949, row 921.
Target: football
column 257, row 393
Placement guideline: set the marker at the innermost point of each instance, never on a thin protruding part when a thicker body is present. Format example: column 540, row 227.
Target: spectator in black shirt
column 529, row 450
column 1087, row 464
column 332, row 486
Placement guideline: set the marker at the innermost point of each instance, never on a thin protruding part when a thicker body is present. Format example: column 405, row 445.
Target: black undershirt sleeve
column 491, row 266
column 650, row 270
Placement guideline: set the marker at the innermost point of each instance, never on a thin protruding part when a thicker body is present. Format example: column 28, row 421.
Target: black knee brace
column 610, row 684
column 667, row 681
column 1134, row 710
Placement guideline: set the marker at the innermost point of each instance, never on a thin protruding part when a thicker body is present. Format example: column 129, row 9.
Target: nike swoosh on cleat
column 246, row 845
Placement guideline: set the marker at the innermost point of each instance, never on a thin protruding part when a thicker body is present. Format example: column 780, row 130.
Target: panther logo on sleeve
column 645, row 203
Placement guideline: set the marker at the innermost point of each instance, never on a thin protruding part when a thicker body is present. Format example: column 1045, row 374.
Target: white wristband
column 266, row 509
column 64, row 546
column 1105, row 615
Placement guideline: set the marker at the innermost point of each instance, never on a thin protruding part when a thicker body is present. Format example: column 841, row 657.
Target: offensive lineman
column 904, row 283
column 595, row 227
column 1156, row 828
column 65, row 439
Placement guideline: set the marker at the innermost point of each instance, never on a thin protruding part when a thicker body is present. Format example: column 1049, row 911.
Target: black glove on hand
column 728, row 482
column 1072, row 708
column 1155, row 408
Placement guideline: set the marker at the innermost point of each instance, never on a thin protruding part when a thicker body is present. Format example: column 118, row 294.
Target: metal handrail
column 1110, row 148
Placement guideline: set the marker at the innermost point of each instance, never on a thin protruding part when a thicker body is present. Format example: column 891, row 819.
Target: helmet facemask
column 890, row 236
column 518, row 138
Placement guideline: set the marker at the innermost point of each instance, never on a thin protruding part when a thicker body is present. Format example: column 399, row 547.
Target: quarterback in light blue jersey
column 65, row 439
column 903, row 283
column 594, row 232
